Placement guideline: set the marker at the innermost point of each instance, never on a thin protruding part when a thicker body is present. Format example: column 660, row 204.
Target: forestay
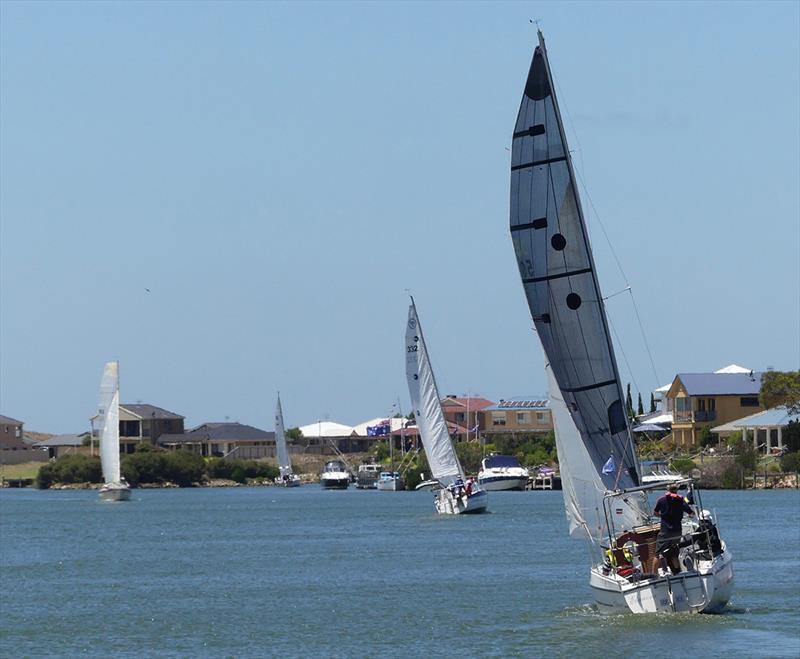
column 108, row 421
column 431, row 424
column 558, row 274
column 284, row 464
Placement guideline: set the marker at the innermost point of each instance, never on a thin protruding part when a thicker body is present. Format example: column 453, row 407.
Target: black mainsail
column 558, row 274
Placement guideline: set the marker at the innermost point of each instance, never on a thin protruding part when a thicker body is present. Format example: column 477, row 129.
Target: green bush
column 76, row 468
column 236, row 469
column 183, row 468
column 790, row 461
column 156, row 466
column 706, row 437
column 732, row 477
column 682, row 465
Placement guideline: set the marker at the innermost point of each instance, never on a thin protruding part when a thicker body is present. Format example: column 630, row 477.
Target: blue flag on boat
column 609, row 467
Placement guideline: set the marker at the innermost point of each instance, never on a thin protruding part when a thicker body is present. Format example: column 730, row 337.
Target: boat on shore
column 115, row 487
column 605, row 499
column 502, row 472
column 455, row 494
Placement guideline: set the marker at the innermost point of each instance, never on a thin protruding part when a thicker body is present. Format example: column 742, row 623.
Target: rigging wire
column 579, row 172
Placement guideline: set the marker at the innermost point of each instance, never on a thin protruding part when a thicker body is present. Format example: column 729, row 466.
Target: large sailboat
column 114, row 488
column 605, row 500
column 454, row 494
column 287, row 478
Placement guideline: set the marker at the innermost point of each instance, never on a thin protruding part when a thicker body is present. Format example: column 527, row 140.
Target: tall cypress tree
column 640, row 408
column 629, row 402
column 652, row 402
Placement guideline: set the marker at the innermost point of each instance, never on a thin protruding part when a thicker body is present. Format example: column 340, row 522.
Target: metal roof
column 777, row 416
column 9, row 420
column 721, row 384
column 64, row 440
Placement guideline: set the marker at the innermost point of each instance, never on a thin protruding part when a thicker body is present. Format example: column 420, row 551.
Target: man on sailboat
column 671, row 507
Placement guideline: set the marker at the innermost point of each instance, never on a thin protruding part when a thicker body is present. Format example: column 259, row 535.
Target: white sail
column 582, row 486
column 108, row 411
column 284, row 463
column 439, row 449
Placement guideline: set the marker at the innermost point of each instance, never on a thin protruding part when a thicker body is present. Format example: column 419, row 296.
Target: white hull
column 705, row 590
column 115, row 492
column 292, row 481
column 391, row 486
column 497, row 483
column 334, row 481
column 447, row 504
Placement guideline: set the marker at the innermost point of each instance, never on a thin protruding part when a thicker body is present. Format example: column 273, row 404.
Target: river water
column 249, row 572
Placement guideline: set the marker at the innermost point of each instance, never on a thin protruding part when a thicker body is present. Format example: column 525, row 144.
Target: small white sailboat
column 455, row 494
column 605, row 500
column 287, row 478
column 114, row 486
column 502, row 472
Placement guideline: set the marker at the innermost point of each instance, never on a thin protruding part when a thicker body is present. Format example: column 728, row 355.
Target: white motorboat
column 455, row 494
column 334, row 476
column 114, row 487
column 390, row 481
column 502, row 472
column 605, row 499
column 287, row 477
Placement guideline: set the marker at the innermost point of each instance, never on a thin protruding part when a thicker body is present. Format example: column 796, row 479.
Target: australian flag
column 382, row 429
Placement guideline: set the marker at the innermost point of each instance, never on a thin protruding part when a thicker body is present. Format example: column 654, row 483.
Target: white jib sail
column 581, row 484
column 108, row 410
column 431, row 424
column 284, row 464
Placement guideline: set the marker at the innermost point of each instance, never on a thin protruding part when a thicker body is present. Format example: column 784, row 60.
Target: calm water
column 251, row 572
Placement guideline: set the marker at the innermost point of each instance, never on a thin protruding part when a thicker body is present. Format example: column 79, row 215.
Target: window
column 460, row 417
column 540, row 417
column 683, row 404
column 498, row 418
column 749, row 401
column 523, row 418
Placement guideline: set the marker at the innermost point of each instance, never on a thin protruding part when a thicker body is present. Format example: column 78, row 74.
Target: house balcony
column 697, row 416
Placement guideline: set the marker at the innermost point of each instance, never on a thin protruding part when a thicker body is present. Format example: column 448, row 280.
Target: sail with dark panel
column 558, row 274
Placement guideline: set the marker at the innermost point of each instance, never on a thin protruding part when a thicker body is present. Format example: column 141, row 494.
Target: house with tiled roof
column 140, row 422
column 518, row 414
column 225, row 439
column 465, row 411
column 700, row 400
column 11, row 434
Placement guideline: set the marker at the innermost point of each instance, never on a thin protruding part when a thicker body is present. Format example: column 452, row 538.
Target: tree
column 640, row 408
column 629, row 402
column 780, row 388
column 652, row 403
column 294, row 434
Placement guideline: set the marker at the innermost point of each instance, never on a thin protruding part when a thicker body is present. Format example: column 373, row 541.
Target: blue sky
column 278, row 175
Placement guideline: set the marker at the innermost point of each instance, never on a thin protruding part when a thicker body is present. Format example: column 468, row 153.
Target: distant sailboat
column 287, row 478
column 601, row 477
column 114, row 488
column 454, row 495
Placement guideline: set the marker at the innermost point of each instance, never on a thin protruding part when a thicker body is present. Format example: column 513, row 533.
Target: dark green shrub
column 143, row 467
column 239, row 470
column 183, row 467
column 790, row 462
column 76, row 468
column 682, row 465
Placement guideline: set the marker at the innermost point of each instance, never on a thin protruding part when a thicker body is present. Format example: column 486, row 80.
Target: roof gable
column 145, row 411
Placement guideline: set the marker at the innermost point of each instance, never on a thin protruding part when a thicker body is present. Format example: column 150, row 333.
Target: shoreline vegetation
column 731, row 465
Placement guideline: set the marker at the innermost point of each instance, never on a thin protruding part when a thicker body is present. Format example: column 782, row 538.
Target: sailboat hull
column 335, row 482
column 112, row 492
column 705, row 590
column 447, row 504
column 292, row 481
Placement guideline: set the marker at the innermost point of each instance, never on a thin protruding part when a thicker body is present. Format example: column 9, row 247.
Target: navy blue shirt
column 671, row 508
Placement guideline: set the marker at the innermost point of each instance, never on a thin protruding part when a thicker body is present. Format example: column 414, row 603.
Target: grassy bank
column 24, row 470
